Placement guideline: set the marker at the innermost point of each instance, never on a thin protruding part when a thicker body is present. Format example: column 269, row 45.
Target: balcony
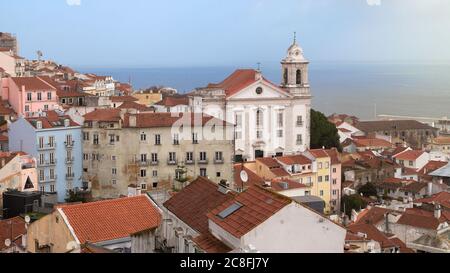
column 70, row 160
column 70, row 176
column 47, row 163
column 69, row 144
column 48, row 146
column 219, row 161
column 49, row 179
column 190, row 162
column 203, row 161
column 154, row 163
column 172, row 162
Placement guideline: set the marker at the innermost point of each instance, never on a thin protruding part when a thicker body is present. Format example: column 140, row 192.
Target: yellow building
column 322, row 166
column 148, row 98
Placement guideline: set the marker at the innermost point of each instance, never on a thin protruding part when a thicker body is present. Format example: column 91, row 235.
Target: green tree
column 352, row 202
column 368, row 190
column 323, row 132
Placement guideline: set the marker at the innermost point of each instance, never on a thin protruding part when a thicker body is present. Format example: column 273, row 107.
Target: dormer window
column 66, row 123
column 39, row 124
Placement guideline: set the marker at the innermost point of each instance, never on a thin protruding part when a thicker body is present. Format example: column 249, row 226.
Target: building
column 207, row 218
column 150, row 150
column 270, row 119
column 148, row 97
column 103, row 86
column 402, row 189
column 173, row 104
column 56, row 142
column 365, row 144
column 29, row 96
column 411, row 132
column 11, row 63
column 125, row 225
column 14, row 232
column 440, row 144
column 17, row 172
column 413, row 159
column 9, row 42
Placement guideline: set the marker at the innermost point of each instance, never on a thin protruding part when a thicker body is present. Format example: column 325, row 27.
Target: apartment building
column 55, row 141
column 153, row 150
column 13, row 64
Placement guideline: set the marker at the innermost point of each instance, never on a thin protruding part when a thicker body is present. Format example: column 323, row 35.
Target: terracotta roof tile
column 136, row 106
column 269, row 162
column 103, row 115
column 295, row 159
column 373, row 234
column 409, row 155
column 32, row 84
column 18, row 229
column 112, row 219
column 390, row 125
column 253, row 178
column 258, row 205
column 210, row 244
column 192, row 204
column 171, row 101
column 123, row 98
column 442, row 198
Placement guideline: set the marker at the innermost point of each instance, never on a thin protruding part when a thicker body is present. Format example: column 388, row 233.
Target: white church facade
column 270, row 119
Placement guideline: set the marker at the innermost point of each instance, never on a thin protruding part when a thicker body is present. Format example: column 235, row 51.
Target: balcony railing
column 69, row 144
column 203, row 161
column 70, row 176
column 172, row 162
column 70, row 160
column 47, row 163
column 219, row 161
column 190, row 162
column 49, row 179
column 48, row 146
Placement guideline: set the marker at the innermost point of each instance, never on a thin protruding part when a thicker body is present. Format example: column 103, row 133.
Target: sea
column 364, row 90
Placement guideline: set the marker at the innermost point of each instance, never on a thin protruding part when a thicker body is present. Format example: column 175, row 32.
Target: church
column 270, row 119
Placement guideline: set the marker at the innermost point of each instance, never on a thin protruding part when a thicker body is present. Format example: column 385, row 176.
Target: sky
column 181, row 33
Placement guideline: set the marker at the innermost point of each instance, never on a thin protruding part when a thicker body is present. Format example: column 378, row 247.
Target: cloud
column 374, row 2
column 73, row 2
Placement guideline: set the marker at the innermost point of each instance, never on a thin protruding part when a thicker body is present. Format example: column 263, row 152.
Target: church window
column 285, row 76
column 259, row 118
column 299, row 77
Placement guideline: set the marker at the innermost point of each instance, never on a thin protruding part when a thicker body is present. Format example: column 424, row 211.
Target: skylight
column 230, row 210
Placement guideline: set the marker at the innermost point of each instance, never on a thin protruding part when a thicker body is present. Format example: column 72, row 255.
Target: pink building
column 29, row 95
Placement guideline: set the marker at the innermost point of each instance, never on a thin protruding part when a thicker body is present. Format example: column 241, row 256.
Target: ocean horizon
column 364, row 90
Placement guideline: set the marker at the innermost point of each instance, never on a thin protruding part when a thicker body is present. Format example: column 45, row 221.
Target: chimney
column 437, row 211
column 430, row 189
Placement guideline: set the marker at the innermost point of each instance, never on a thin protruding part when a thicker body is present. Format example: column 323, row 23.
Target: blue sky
column 169, row 33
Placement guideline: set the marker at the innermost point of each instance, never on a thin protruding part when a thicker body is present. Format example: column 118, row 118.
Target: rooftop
column 392, row 125
column 32, row 83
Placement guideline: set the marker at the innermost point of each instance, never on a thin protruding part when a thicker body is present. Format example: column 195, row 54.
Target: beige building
column 148, row 97
column 440, row 144
column 17, row 172
column 151, row 150
column 11, row 63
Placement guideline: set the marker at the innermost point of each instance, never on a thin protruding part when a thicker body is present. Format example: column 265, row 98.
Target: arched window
column 285, row 76
column 299, row 76
column 259, row 118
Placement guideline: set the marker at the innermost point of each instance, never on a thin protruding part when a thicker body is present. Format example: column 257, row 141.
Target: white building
column 271, row 119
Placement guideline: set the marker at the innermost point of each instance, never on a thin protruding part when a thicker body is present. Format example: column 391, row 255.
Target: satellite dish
column 244, row 176
column 27, row 219
column 7, row 242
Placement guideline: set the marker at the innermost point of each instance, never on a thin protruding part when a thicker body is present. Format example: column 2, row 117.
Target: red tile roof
column 269, row 162
column 373, row 234
column 136, row 106
column 278, row 185
column 372, row 142
column 104, row 115
column 295, row 159
column 409, row 155
column 319, row 153
column 253, row 178
column 239, row 80
column 192, row 204
column 18, row 229
column 258, row 205
column 171, row 101
column 210, row 244
column 279, row 172
column 442, row 198
column 421, row 218
column 372, row 216
column 52, row 120
column 123, row 98
column 33, row 84
column 112, row 219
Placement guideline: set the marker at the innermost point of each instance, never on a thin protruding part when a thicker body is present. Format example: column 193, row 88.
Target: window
column 154, row 157
column 52, row 158
column 176, row 139
column 113, row 158
column 41, row 142
column 327, row 178
column 202, row 156
column 41, row 159
column 238, row 135
column 411, row 163
column 46, row 107
column 327, row 165
column 52, row 174
column 41, row 175
column 96, row 142
column 27, row 108
column 144, row 186
column 157, row 139
column 280, row 133
column 203, row 172
column 259, row 118
column 114, row 171
column 320, row 166
column 334, row 170
column 239, row 120
column 144, row 158
column 218, row 174
column 42, row 189
column 39, row 96
column 172, row 157
column 51, row 142
column 219, row 156
column 285, row 76
column 259, row 134
column 29, row 97
column 85, row 136
column 194, row 138
column 299, row 139
column 280, row 120
column 85, row 157
column 143, row 137
column 155, row 173
column 143, row 173
column 299, row 77
column 114, row 182
column 299, row 121
column 320, row 179
column 52, row 188
column 112, row 139
column 189, row 156
column 321, row 193
column 334, row 181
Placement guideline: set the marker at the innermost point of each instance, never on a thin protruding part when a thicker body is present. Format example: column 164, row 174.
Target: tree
column 352, row 202
column 368, row 190
column 323, row 132
column 76, row 197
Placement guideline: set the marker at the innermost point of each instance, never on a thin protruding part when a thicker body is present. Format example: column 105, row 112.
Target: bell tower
column 295, row 71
